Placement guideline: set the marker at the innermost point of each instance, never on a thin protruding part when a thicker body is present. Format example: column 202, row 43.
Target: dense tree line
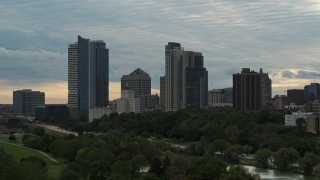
column 128, row 143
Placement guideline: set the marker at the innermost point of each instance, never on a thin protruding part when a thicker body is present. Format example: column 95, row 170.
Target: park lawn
column 54, row 171
column 6, row 139
column 19, row 152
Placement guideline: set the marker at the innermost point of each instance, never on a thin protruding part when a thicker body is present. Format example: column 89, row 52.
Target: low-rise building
column 98, row 112
column 312, row 124
column 290, row 120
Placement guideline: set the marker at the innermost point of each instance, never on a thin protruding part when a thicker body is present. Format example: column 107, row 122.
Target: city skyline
column 281, row 37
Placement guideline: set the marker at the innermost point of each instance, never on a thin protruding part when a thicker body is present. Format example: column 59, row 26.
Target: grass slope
column 18, row 152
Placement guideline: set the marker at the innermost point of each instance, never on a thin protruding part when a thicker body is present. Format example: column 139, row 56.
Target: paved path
column 57, row 129
column 49, row 157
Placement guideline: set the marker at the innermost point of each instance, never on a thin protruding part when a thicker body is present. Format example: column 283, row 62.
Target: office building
column 295, row 96
column 186, row 79
column 173, row 76
column 73, row 93
column 162, row 92
column 25, row 101
column 88, row 75
column 140, row 83
column 266, row 86
column 128, row 103
column 311, row 92
column 247, row 90
column 218, row 98
column 194, row 81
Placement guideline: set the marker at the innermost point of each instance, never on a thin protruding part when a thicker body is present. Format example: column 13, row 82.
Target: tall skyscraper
column 186, row 80
column 90, row 59
column 247, row 90
column 25, row 101
column 266, row 88
column 140, row 83
column 194, row 81
column 173, row 76
column 73, row 93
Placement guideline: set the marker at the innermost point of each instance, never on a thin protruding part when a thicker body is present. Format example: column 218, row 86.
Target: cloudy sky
column 281, row 36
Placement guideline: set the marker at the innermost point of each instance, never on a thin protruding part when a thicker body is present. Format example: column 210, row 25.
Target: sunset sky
column 282, row 37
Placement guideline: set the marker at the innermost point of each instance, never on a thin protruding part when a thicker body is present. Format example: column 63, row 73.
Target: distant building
column 312, row 124
column 162, row 92
column 52, row 111
column 247, row 90
column 140, row 83
column 173, row 76
column 194, row 81
column 296, row 96
column 220, row 97
column 186, row 79
column 228, row 95
column 128, row 103
column 279, row 102
column 290, row 120
column 312, row 92
column 25, row 101
column 266, row 88
column 88, row 75
column 97, row 113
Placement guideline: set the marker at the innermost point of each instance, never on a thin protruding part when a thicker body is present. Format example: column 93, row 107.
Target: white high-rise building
column 173, row 76
column 73, row 94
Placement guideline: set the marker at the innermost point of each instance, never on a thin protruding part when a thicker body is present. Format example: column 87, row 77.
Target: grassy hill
column 18, row 151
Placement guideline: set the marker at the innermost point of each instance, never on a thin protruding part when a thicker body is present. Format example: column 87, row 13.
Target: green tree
column 67, row 174
column 30, row 140
column 39, row 131
column 301, row 123
column 308, row 162
column 240, row 173
column 156, row 167
column 207, row 168
column 262, row 157
column 232, row 154
column 12, row 138
column 285, row 157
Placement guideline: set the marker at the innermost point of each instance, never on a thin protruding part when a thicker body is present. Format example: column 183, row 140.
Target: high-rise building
column 228, row 95
column 247, row 90
column 194, row 81
column 140, row 83
column 312, row 92
column 88, row 63
column 173, row 76
column 186, row 80
column 266, row 88
column 73, row 93
column 25, row 101
column 162, row 92
column 295, row 96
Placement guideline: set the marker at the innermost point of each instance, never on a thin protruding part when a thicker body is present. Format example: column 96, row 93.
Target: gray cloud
column 301, row 74
column 231, row 34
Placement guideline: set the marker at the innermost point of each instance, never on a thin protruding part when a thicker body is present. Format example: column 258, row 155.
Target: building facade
column 311, row 92
column 128, row 103
column 266, row 88
column 186, row 79
column 247, row 90
column 173, row 76
column 194, row 81
column 162, row 92
column 25, row 101
column 88, row 75
column 295, row 96
column 140, row 82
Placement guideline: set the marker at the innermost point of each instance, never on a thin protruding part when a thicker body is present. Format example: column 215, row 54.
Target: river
column 275, row 174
